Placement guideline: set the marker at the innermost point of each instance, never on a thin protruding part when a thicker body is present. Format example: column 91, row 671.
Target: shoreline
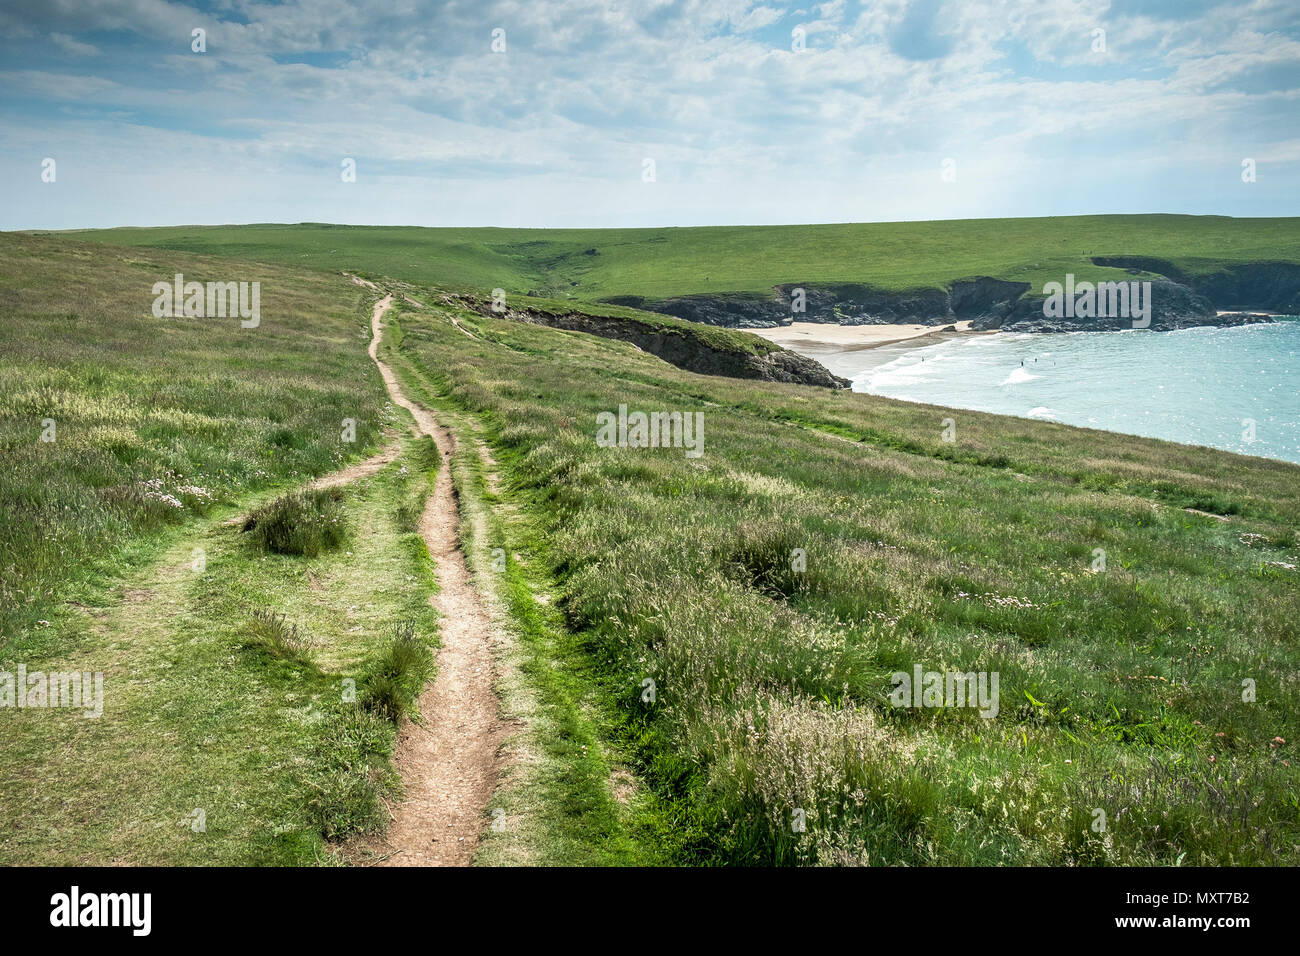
column 850, row 350
column 826, row 337
column 821, row 339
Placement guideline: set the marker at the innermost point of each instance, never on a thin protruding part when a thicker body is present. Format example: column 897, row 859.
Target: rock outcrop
column 737, row 311
column 1173, row 306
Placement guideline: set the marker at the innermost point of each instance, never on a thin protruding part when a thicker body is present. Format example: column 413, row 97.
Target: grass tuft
column 396, row 679
column 306, row 523
column 280, row 637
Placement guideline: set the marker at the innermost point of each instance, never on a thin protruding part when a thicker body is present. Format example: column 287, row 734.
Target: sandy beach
column 822, row 336
column 851, row 350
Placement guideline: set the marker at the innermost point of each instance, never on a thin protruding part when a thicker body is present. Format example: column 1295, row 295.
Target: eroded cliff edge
column 704, row 351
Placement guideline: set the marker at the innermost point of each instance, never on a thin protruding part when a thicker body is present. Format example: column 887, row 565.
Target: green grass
column 594, row 264
column 396, row 677
column 654, row 323
column 279, row 637
column 1120, row 691
column 260, row 686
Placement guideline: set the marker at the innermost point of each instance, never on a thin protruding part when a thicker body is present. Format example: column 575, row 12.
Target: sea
column 1232, row 388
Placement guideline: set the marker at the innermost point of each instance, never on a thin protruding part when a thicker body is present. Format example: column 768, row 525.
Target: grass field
column 703, row 647
column 154, row 422
column 594, row 264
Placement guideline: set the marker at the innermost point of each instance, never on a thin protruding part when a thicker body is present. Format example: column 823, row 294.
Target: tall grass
column 280, row 637
column 395, row 679
column 306, row 523
column 154, row 420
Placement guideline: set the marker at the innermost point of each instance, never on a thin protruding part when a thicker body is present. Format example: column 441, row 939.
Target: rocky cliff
column 840, row 303
column 1173, row 306
column 1264, row 286
column 1178, row 300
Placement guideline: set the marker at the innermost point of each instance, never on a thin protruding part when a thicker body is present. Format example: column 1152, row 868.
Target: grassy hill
column 187, row 402
column 925, row 536
column 594, row 264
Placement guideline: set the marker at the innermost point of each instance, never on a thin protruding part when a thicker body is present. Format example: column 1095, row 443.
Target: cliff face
column 1173, row 306
column 1178, row 300
column 985, row 298
column 682, row 348
column 840, row 304
column 729, row 311
column 1270, row 286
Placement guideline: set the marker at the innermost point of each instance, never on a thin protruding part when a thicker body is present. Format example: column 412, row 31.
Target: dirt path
column 360, row 469
column 346, row 475
column 450, row 761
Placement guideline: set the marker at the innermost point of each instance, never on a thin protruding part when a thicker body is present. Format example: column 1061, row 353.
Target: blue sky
column 744, row 123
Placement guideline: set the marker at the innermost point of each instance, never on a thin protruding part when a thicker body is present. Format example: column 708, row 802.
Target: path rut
column 451, row 760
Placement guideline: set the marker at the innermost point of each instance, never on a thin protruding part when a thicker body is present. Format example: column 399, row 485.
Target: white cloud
column 68, row 45
column 709, row 88
column 54, row 86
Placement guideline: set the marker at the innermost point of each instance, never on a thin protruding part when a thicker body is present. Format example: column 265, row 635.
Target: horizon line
column 744, row 225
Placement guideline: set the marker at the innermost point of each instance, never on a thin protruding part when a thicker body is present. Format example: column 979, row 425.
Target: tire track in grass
column 449, row 762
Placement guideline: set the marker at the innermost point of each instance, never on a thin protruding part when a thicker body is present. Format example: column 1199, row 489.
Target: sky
column 643, row 112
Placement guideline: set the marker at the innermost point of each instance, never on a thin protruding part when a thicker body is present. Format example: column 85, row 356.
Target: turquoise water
column 1196, row 386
